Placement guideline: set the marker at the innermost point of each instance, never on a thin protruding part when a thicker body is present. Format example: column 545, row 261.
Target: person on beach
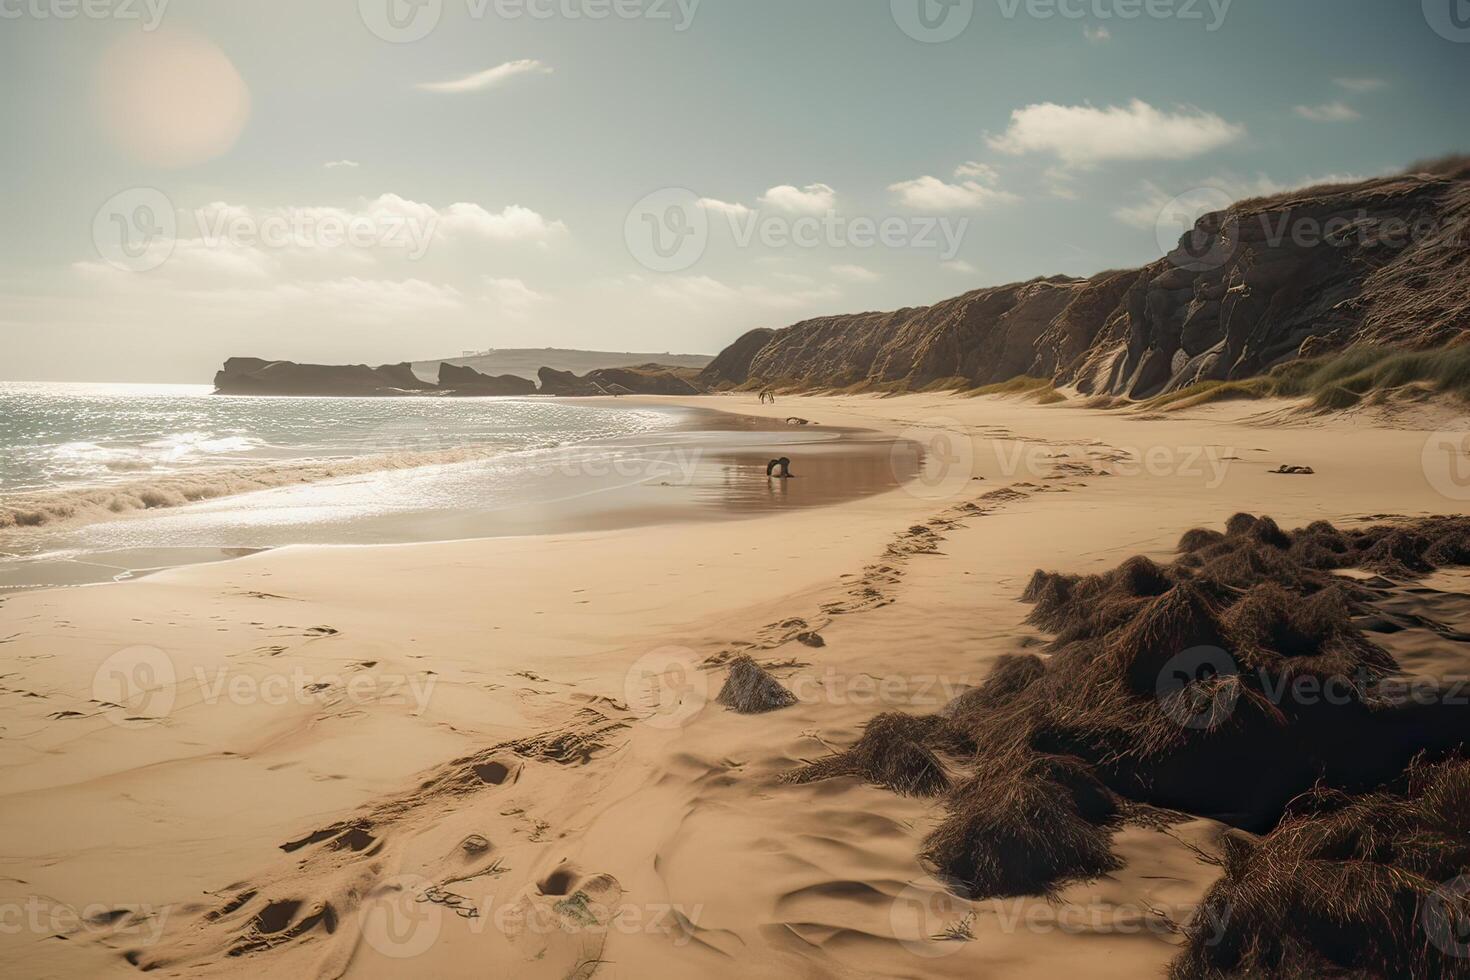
column 783, row 464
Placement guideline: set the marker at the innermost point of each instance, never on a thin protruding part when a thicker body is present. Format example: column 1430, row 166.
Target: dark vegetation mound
column 750, row 689
column 1345, row 885
column 1236, row 683
column 893, row 752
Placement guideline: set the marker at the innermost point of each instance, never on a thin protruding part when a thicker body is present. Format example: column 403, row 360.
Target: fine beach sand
column 458, row 758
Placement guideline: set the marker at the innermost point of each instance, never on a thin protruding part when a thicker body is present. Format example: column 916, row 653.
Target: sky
column 383, row 180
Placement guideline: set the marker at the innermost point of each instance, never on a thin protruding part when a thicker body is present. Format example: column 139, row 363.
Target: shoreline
column 540, row 650
column 701, row 468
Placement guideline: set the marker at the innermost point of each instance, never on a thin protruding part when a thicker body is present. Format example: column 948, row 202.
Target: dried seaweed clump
column 750, row 689
column 894, row 751
column 1366, row 886
column 1023, row 825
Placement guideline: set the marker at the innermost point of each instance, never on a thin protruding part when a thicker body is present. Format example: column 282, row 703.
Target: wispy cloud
column 855, row 273
column 1329, row 112
column 1363, row 84
column 811, row 199
column 334, row 164
column 932, row 194
column 1081, row 135
column 723, row 207
column 489, row 78
column 960, row 266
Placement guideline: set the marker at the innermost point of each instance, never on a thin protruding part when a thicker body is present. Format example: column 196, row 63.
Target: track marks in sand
column 877, row 584
column 318, row 893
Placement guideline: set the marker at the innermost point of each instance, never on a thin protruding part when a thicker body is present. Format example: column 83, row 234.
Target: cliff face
column 254, row 376
column 468, row 381
column 1386, row 261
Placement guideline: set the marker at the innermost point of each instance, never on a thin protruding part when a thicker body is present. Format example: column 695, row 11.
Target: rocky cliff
column 255, row 376
column 1386, row 261
column 468, row 381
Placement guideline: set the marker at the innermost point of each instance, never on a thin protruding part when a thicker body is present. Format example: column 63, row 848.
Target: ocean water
column 100, row 482
column 55, row 436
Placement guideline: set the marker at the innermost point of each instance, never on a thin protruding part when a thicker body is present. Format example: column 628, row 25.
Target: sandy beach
column 358, row 760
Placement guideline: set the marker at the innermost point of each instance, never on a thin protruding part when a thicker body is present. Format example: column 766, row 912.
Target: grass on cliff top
column 1038, row 388
column 1339, row 381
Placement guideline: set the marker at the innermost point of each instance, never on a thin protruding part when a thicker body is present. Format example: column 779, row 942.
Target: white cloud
column 1060, row 182
column 1097, row 35
column 811, row 199
column 1083, row 134
column 1329, row 112
column 511, row 223
column 982, row 172
column 512, row 297
column 723, row 207
column 1363, row 84
column 960, row 266
column 488, row 78
column 334, row 164
column 933, row 194
column 855, row 273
